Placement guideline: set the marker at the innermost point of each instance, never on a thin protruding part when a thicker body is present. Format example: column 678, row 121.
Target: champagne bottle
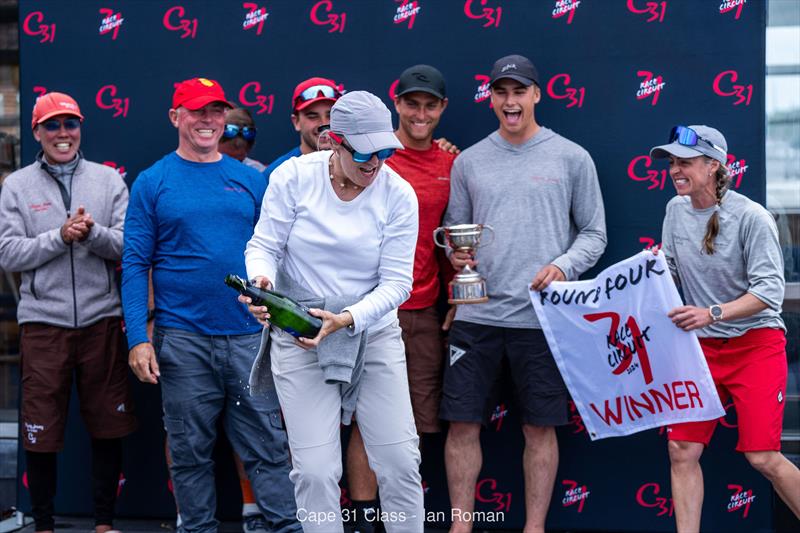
column 285, row 313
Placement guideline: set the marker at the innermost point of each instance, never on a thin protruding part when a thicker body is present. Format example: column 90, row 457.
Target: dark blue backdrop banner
column 616, row 76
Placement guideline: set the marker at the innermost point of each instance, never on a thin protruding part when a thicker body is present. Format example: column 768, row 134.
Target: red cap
column 198, row 92
column 51, row 104
column 297, row 105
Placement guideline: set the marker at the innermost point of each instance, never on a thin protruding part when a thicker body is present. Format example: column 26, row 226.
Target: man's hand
column 461, row 259
column 448, row 318
column 447, row 146
column 142, row 360
column 547, row 275
column 330, row 322
column 689, row 317
column 260, row 312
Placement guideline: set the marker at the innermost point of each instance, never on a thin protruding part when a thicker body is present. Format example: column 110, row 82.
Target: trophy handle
column 436, row 234
column 491, row 230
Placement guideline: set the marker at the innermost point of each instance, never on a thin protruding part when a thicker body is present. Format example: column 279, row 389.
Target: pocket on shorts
column 180, row 450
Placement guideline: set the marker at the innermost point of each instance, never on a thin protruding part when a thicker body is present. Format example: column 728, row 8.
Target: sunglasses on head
column 686, row 136
column 359, row 157
column 55, row 125
column 248, row 133
column 317, row 91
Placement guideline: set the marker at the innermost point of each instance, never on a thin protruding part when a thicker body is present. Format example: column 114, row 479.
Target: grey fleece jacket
column 543, row 199
column 340, row 354
column 67, row 285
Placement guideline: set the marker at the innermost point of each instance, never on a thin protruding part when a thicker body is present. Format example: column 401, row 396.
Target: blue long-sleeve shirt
column 190, row 222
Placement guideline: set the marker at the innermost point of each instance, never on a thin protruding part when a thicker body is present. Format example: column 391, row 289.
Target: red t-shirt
column 428, row 172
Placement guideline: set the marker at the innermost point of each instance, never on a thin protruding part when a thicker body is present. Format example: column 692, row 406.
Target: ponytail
column 712, row 228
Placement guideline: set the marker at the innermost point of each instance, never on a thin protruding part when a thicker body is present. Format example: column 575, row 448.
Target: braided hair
column 722, row 178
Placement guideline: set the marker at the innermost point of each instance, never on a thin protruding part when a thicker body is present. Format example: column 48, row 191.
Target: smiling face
column 62, row 145
column 362, row 174
column 695, row 177
column 419, row 114
column 514, row 103
column 199, row 131
column 307, row 122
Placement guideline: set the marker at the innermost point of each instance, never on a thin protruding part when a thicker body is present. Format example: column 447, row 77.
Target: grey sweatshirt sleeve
column 18, row 252
column 588, row 215
column 668, row 245
column 106, row 241
column 763, row 258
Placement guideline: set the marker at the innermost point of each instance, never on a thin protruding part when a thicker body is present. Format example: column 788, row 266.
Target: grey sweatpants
column 312, row 410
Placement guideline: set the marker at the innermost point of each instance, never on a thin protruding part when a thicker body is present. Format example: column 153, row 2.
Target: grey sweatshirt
column 340, row 354
column 543, row 199
column 747, row 258
column 63, row 285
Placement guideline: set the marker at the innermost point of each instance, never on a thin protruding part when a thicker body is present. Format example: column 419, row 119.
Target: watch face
column 716, row 312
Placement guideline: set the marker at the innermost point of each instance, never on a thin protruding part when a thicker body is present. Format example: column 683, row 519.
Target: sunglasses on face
column 317, row 91
column 686, row 136
column 69, row 124
column 248, row 133
column 359, row 157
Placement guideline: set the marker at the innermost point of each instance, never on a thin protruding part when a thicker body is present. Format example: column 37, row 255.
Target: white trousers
column 312, row 410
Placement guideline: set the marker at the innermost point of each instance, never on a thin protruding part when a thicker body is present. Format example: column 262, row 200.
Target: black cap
column 517, row 68
column 423, row 78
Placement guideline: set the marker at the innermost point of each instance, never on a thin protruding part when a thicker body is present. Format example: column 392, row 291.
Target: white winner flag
column 626, row 365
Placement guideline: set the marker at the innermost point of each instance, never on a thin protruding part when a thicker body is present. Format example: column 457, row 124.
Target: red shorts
column 751, row 370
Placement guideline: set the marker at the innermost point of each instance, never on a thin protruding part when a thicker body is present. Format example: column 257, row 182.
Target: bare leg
column 361, row 480
column 540, row 462
column 783, row 474
column 687, row 484
column 463, row 459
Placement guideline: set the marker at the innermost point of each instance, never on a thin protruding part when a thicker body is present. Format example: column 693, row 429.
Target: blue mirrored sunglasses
column 359, row 157
column 686, row 136
column 232, row 130
column 55, row 125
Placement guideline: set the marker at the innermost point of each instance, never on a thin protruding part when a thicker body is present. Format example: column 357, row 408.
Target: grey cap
column 516, row 67
column 365, row 121
column 421, row 78
column 710, row 142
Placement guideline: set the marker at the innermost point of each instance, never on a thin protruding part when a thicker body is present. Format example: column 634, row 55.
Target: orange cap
column 52, row 104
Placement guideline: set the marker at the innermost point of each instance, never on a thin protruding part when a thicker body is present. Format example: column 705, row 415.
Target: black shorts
column 474, row 362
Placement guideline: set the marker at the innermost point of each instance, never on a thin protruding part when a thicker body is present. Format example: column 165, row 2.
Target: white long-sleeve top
column 333, row 247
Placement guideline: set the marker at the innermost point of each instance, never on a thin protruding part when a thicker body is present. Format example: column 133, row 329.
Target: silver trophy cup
column 467, row 287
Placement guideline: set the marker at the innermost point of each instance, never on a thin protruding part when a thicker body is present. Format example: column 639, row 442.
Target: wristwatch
column 716, row 312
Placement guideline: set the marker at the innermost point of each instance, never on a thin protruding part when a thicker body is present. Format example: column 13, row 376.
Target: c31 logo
column 336, row 21
column 656, row 178
column 491, row 14
column 486, row 492
column 263, row 103
column 656, row 10
column 174, row 20
column 120, row 106
column 725, row 85
column 35, row 26
column 558, row 89
column 648, row 496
